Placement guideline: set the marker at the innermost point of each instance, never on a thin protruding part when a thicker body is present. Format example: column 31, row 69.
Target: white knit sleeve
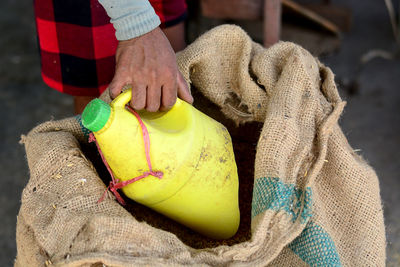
column 131, row 18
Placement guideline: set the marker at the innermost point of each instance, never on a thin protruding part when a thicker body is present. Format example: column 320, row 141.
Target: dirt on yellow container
column 199, row 186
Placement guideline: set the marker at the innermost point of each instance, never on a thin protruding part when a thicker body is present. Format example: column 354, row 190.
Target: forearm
column 131, row 18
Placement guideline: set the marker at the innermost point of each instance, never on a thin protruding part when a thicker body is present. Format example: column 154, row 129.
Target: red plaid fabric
column 77, row 42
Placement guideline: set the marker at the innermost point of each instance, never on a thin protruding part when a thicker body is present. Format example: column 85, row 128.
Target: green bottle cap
column 96, row 114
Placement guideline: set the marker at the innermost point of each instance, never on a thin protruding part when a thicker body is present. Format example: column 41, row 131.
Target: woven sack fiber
column 315, row 201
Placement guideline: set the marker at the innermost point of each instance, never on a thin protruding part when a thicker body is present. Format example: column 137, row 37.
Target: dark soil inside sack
column 244, row 139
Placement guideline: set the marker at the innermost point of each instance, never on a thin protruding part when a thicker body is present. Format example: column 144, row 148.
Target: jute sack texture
column 315, row 201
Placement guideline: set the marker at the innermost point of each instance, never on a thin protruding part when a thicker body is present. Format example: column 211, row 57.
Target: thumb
column 119, row 82
column 183, row 89
column 115, row 87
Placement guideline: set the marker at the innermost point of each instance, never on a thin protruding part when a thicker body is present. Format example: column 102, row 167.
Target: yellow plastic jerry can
column 199, row 186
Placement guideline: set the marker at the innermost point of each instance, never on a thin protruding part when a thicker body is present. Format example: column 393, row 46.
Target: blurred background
column 358, row 40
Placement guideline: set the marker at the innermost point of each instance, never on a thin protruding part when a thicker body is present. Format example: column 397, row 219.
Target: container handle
column 122, row 99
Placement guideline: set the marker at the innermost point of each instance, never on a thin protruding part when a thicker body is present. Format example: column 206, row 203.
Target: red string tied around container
column 115, row 184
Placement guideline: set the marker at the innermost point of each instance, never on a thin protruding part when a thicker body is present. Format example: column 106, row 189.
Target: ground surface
column 370, row 122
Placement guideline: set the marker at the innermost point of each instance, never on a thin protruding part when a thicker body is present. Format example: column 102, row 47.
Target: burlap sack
column 315, row 201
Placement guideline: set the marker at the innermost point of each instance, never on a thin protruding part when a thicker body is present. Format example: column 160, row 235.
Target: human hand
column 148, row 64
